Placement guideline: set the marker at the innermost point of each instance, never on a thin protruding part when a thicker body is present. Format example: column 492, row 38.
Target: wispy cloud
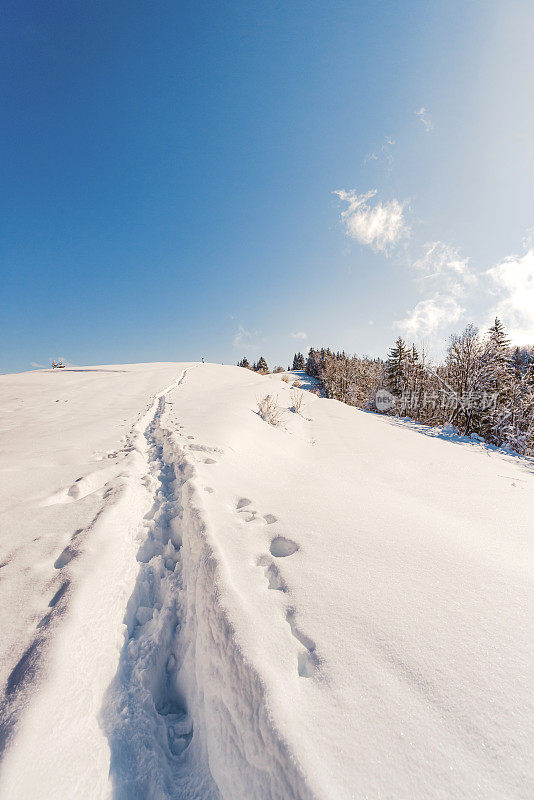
column 422, row 114
column 429, row 315
column 38, row 366
column 381, row 226
column 512, row 281
column 447, row 278
column 384, row 153
column 244, row 338
column 299, row 335
column 444, row 267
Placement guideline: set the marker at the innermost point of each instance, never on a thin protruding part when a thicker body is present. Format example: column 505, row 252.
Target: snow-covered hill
column 198, row 605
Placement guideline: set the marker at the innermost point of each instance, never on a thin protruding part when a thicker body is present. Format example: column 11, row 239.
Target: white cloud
column 429, row 315
column 244, row 338
column 423, row 116
column 370, row 157
column 381, row 226
column 299, row 335
column 445, row 269
column 439, row 257
column 446, row 277
column 513, row 282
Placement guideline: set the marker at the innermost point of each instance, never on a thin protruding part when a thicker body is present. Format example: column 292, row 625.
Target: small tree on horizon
column 261, row 366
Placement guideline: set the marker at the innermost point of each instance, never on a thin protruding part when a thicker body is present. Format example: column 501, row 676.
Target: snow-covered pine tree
column 498, row 384
column 244, row 363
column 311, row 363
column 397, row 367
column 298, row 361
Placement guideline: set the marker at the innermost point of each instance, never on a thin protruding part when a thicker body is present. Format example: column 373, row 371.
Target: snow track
column 154, row 750
column 186, row 715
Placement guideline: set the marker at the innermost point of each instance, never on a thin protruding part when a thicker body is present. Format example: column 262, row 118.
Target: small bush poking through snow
column 269, row 410
column 286, row 378
column 296, row 384
column 297, row 397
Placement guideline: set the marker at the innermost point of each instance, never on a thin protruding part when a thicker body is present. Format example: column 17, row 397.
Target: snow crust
column 198, row 604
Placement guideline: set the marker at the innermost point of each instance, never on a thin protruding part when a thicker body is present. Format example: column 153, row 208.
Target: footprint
column 282, row 547
column 307, row 664
column 307, row 658
column 208, row 489
column 270, row 518
column 82, row 487
column 65, row 557
column 179, row 726
column 244, row 501
column 209, row 461
column 190, row 437
column 272, row 573
column 45, row 621
column 59, row 594
column 69, row 552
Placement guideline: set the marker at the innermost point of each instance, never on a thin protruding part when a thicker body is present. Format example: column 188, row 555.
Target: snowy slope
column 337, row 607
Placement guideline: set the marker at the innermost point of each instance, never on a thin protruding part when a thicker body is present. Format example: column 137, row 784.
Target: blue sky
column 169, row 169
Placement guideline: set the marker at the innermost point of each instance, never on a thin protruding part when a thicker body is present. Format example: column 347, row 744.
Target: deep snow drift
column 197, row 604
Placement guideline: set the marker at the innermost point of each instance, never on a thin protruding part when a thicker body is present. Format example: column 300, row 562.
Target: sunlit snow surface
column 197, row 604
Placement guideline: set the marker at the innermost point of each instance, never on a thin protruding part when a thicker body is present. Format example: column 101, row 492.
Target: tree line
column 484, row 387
column 299, row 363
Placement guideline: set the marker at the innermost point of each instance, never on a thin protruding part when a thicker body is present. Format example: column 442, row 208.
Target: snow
column 198, row 604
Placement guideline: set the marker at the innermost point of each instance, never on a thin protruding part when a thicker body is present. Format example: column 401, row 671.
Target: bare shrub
column 269, row 410
column 278, row 369
column 296, row 384
column 297, row 396
column 286, row 378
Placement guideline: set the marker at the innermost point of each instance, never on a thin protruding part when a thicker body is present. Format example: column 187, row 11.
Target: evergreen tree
column 244, row 363
column 261, row 366
column 499, row 381
column 298, row 362
column 498, row 340
column 397, row 367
